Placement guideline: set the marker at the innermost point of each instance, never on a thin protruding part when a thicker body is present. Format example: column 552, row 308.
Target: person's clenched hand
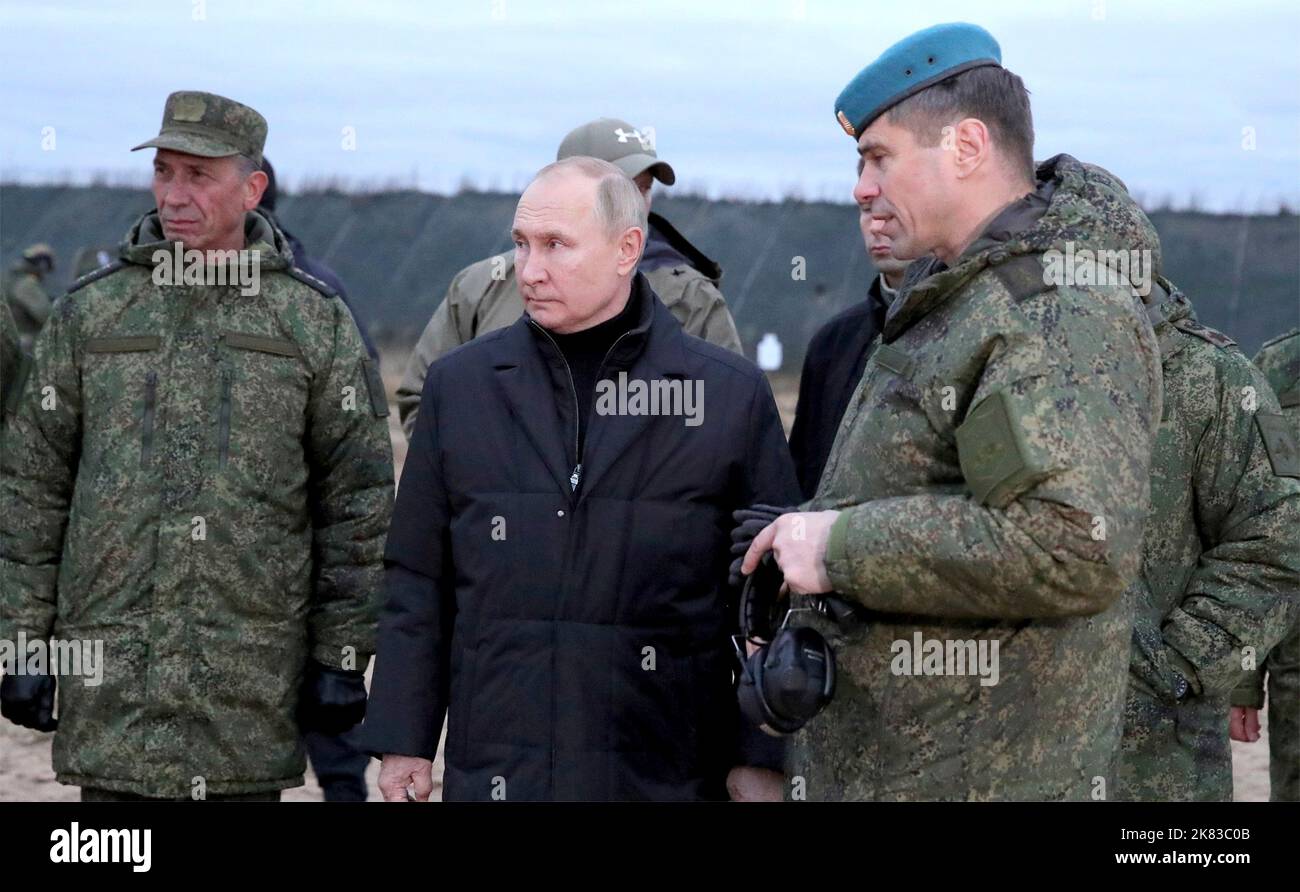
column 397, row 774
column 28, row 700
column 749, row 523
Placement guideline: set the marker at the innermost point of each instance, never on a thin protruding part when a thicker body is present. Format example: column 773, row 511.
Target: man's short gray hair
column 246, row 165
column 619, row 205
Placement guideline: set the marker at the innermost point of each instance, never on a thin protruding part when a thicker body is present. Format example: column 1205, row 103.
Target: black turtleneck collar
column 585, row 350
column 600, row 337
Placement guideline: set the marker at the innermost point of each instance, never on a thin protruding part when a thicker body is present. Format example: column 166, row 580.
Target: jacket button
column 559, row 513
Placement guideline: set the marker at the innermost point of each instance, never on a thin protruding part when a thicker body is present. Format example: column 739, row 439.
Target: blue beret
column 911, row 65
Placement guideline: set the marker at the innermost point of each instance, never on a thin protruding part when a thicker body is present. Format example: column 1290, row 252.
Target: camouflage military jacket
column 1279, row 360
column 1220, row 559
column 10, row 358
column 992, row 477
column 483, row 297
column 28, row 302
column 201, row 479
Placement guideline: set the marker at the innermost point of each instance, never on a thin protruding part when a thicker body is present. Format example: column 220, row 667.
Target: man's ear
column 629, row 249
column 254, row 186
column 970, row 145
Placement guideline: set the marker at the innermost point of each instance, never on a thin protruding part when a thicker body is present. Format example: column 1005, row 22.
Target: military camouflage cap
column 209, row 125
column 628, row 148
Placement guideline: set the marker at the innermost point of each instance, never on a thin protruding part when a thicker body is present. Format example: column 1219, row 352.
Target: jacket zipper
column 575, row 477
column 223, row 420
column 146, row 424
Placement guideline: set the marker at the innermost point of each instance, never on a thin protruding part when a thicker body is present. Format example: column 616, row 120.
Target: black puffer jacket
column 579, row 640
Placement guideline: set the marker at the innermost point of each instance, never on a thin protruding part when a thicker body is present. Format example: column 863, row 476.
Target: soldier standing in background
column 25, row 292
column 1220, row 558
column 836, row 357
column 304, row 261
column 484, row 296
column 11, row 358
column 340, row 767
column 1279, row 361
column 199, row 477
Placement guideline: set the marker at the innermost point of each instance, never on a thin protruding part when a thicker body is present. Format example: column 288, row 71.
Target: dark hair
column 990, row 93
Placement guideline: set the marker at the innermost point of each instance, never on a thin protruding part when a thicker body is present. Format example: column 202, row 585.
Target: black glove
column 28, row 700
column 749, row 523
column 332, row 701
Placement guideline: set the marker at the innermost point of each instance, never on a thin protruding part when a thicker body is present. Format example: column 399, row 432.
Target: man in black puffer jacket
column 557, row 563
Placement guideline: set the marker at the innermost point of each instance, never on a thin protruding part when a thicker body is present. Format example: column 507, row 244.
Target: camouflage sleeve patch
column 897, row 361
column 1281, row 442
column 1023, row 276
column 991, row 447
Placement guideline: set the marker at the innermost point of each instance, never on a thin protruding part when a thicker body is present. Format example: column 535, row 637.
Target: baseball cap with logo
column 629, row 149
column 210, row 126
column 37, row 251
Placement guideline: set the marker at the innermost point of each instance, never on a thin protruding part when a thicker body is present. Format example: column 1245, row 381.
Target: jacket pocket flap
column 132, row 344
column 278, row 346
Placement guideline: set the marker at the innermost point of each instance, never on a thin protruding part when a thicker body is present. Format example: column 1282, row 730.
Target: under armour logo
column 647, row 142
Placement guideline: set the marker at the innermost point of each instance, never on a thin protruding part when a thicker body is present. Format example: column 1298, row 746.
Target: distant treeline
column 397, row 252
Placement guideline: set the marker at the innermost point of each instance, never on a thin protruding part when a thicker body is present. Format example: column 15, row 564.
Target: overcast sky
column 1171, row 97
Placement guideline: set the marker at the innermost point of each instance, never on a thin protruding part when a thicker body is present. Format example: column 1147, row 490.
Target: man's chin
column 906, row 251
column 187, row 237
column 546, row 313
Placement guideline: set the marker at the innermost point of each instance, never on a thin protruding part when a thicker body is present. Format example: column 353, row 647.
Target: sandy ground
column 26, row 774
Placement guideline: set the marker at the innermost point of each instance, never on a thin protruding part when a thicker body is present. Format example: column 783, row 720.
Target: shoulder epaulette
column 312, row 282
column 1281, row 339
column 95, row 275
column 1204, row 332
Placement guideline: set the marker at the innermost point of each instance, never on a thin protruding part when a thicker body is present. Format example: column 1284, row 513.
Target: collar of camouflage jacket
column 1076, row 207
column 260, row 234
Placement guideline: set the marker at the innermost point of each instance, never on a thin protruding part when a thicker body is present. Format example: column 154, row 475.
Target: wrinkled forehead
column 561, row 198
column 172, row 158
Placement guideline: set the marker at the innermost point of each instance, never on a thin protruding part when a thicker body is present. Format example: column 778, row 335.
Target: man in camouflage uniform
column 989, row 482
column 1220, row 558
column 199, row 476
column 484, row 297
column 25, row 293
column 11, row 357
column 1279, row 361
